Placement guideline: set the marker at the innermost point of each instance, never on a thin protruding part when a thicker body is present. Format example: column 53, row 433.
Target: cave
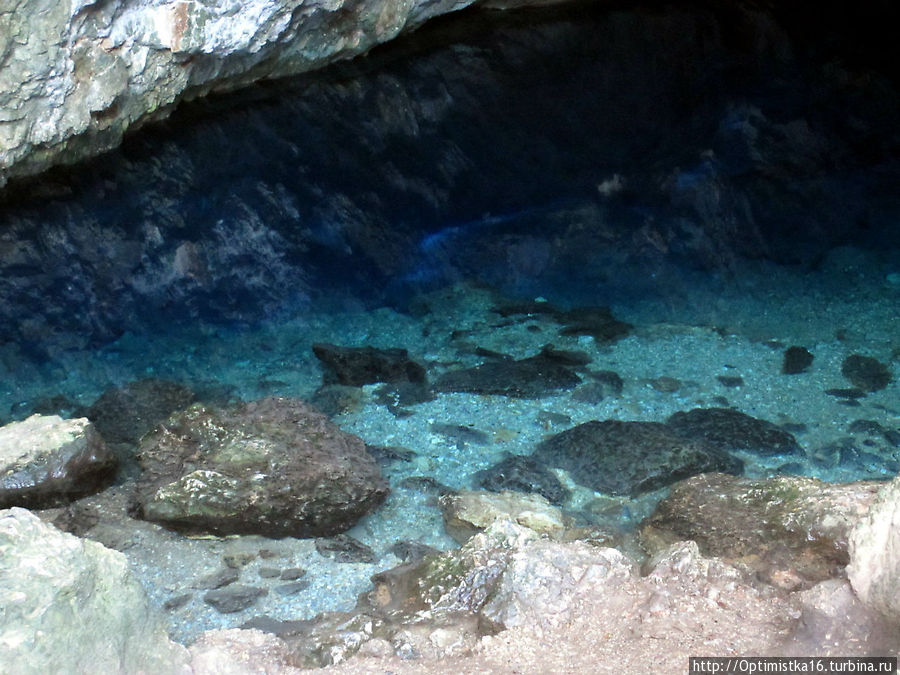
column 488, row 248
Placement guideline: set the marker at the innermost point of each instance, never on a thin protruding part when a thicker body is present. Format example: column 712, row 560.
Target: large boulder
column 630, row 458
column 792, row 531
column 874, row 569
column 72, row 606
column 48, row 461
column 273, row 467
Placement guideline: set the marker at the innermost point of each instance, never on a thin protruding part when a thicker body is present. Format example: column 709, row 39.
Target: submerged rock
column 796, row 360
column 522, row 474
column 791, row 530
column 71, row 605
column 356, row 366
column 533, row 377
column 866, row 373
column 48, row 461
column 273, row 467
column 233, row 598
column 345, row 549
column 125, row 414
column 630, row 458
column 729, row 430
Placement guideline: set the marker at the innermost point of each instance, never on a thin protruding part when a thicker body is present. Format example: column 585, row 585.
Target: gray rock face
column 874, row 569
column 273, row 467
column 71, row 605
column 75, row 76
column 48, row 461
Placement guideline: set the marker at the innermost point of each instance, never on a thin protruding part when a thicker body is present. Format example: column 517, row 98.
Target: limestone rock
column 71, row 605
column 791, row 530
column 75, row 76
column 542, row 580
column 874, row 569
column 273, row 467
column 630, row 458
column 48, row 461
column 468, row 513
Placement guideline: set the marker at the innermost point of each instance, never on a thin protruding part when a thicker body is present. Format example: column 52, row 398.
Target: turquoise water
column 722, row 201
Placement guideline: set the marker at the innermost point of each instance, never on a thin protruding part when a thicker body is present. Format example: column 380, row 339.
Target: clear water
column 726, row 198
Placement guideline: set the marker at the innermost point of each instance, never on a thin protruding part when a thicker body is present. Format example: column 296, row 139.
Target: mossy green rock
column 273, row 467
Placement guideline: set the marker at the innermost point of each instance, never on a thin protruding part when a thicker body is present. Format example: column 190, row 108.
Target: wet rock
column 227, row 472
column 728, row 430
column 610, row 379
column 566, row 357
column 125, row 414
column 356, row 366
column 731, row 381
column 533, row 377
column 665, row 385
column 523, row 474
column 591, row 393
column 48, row 461
column 598, row 322
column 866, row 373
column 874, row 569
column 345, row 549
column 223, row 577
column 385, row 454
column 630, row 458
column 336, row 399
column 71, row 605
column 851, row 394
column 292, row 573
column 78, row 519
column 791, row 530
column 459, row 434
column 412, row 551
column 796, row 360
column 469, row 512
column 292, row 588
column 234, row 598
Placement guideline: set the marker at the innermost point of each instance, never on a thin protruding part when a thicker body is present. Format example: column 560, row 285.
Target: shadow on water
column 581, row 154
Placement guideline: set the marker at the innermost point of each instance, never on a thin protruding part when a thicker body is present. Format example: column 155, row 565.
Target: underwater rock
column 71, row 605
column 124, row 414
column 630, row 458
column 729, row 430
column 469, row 512
column 598, row 322
column 273, row 467
column 336, row 399
column 568, row 357
column 866, row 373
column 796, row 360
column 356, row 366
column 345, row 549
column 233, row 598
column 215, row 580
column 412, row 551
column 532, row 377
column 874, row 569
column 791, row 530
column 460, row 434
column 522, row 474
column 47, row 461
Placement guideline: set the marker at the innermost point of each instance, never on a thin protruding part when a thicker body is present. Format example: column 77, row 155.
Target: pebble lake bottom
column 701, row 249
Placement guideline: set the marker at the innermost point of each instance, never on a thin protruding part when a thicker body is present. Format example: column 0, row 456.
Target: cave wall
column 74, row 76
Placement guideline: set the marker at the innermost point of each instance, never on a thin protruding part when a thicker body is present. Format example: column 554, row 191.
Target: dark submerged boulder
column 273, row 467
column 630, row 458
column 729, row 430
column 356, row 366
